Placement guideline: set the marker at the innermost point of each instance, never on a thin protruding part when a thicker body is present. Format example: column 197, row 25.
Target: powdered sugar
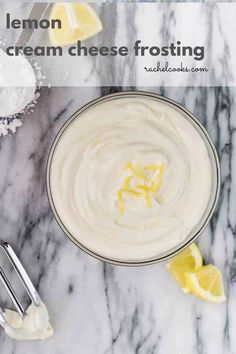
column 17, row 84
column 9, row 125
column 18, row 80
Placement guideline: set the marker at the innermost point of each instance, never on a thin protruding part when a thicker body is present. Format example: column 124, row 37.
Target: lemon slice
column 187, row 261
column 207, row 284
column 79, row 21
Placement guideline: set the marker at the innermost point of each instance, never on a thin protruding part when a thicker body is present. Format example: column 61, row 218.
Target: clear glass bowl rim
column 208, row 141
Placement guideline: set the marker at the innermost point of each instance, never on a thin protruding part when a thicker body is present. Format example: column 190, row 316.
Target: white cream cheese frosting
column 89, row 168
column 35, row 324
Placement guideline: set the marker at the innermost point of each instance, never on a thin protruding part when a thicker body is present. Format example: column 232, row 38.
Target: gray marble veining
column 109, row 309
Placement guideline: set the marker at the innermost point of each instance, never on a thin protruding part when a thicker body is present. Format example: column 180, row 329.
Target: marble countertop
column 96, row 307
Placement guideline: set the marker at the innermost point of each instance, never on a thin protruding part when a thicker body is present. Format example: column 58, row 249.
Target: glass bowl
column 215, row 185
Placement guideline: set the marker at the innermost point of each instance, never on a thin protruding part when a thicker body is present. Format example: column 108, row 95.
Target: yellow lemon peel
column 146, row 187
column 121, row 201
column 127, row 182
column 132, row 192
column 148, row 200
column 137, row 172
column 121, row 198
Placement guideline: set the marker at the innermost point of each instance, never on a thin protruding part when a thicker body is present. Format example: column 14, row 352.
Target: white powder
column 9, row 125
column 17, row 84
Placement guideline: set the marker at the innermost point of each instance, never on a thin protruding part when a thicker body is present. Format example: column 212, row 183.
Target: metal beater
column 33, row 294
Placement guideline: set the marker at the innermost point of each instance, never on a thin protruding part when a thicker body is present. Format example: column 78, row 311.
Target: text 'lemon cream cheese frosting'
column 130, row 178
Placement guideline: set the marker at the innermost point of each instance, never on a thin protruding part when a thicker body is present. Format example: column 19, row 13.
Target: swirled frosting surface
column 104, row 164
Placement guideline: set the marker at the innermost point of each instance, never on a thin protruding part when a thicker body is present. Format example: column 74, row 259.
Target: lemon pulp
column 207, row 284
column 187, row 261
column 79, row 22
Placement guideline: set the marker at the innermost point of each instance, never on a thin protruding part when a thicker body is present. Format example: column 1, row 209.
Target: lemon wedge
column 206, row 283
column 79, row 22
column 187, row 261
